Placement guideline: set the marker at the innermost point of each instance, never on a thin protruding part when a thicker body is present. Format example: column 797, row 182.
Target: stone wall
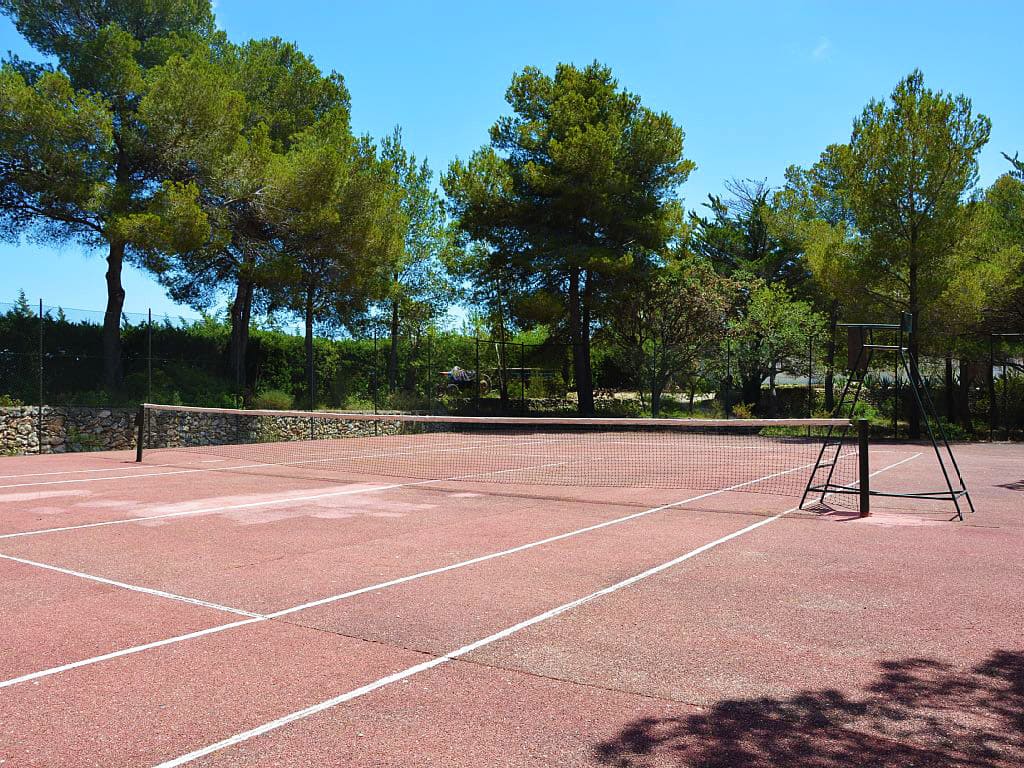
column 68, row 429
column 61, row 429
column 169, row 429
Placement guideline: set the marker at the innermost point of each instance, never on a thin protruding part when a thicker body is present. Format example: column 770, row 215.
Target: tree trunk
column 830, row 359
column 113, row 366
column 914, row 422
column 750, row 387
column 579, row 334
column 655, row 398
column 310, row 367
column 238, row 347
column 393, row 351
column 950, row 394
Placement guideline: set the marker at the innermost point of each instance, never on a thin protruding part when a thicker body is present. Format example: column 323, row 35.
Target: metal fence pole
column 728, row 379
column 430, row 375
column 39, row 411
column 896, row 392
column 149, row 357
column 991, row 381
column 522, row 377
column 810, row 376
column 476, row 339
column 374, row 372
column 1006, row 412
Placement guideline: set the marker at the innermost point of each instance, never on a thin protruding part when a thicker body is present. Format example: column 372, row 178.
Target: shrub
column 742, row 411
column 864, row 410
column 272, row 400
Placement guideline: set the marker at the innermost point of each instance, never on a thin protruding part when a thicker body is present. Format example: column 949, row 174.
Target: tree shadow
column 918, row 712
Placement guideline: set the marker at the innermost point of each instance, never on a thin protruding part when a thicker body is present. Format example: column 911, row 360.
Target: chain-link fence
column 54, row 356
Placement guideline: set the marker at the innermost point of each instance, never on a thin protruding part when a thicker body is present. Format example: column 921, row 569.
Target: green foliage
column 666, row 319
column 770, row 336
column 273, row 399
column 740, row 241
column 910, row 163
column 576, row 182
column 865, row 410
column 123, row 69
column 419, row 289
column 742, row 411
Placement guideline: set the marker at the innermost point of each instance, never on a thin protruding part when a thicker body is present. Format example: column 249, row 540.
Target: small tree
column 335, row 208
column 666, row 319
column 770, row 334
column 419, row 291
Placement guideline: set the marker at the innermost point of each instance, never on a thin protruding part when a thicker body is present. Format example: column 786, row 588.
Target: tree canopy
column 578, row 182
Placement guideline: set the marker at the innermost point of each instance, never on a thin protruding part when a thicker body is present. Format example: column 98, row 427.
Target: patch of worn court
column 190, row 610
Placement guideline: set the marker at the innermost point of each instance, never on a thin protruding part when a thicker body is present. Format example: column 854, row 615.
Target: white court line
column 253, row 504
column 68, row 472
column 356, row 693
column 386, row 584
column 131, row 587
column 257, row 465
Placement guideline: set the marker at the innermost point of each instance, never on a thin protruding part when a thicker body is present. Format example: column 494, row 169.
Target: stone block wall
column 31, row 430
column 51, row 429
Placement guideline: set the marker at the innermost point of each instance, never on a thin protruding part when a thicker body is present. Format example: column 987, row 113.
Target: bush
column 272, row 400
column 742, row 411
column 864, row 410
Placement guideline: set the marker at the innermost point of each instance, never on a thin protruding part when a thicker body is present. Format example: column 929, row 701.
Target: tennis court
column 410, row 593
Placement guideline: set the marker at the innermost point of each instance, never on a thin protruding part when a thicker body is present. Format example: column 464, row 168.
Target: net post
column 140, row 424
column 864, row 467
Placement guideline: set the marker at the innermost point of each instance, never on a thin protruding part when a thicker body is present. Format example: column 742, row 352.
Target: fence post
column 810, row 376
column 991, row 382
column 1006, row 410
column 42, row 396
column 430, row 375
column 374, row 372
column 522, row 377
column 476, row 339
column 728, row 379
column 864, row 469
column 896, row 393
column 149, row 357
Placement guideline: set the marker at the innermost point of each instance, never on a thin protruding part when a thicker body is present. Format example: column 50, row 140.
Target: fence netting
column 54, row 355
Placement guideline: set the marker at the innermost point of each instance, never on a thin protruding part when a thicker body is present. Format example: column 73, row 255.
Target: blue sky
column 756, row 86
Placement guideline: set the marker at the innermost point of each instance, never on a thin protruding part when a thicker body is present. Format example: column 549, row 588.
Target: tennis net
column 773, row 456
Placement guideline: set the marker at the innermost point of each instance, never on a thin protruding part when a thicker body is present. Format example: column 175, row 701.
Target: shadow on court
column 919, row 712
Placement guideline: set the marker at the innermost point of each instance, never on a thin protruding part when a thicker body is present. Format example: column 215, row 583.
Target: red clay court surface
column 180, row 612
